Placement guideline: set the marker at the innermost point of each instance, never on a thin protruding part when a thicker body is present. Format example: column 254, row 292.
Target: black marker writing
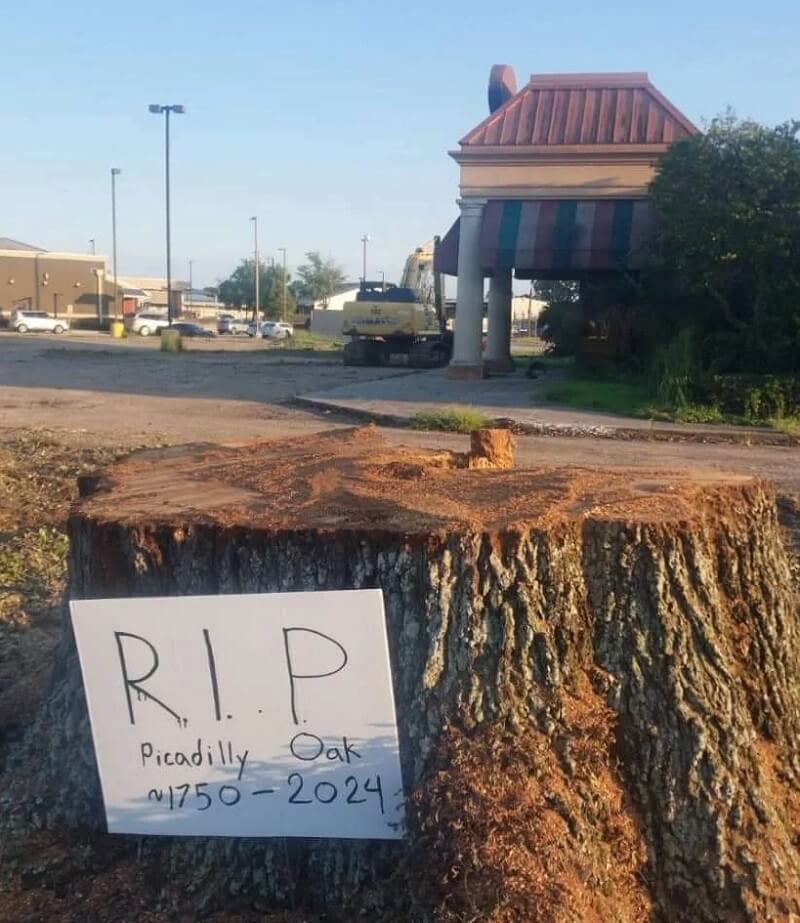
column 212, row 669
column 290, row 666
column 129, row 683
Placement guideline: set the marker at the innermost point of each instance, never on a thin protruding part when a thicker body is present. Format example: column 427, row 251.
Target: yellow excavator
column 399, row 324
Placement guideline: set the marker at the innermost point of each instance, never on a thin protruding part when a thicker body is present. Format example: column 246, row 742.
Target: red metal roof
column 577, row 109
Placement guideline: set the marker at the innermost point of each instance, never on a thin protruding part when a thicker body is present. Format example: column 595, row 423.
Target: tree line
column 317, row 280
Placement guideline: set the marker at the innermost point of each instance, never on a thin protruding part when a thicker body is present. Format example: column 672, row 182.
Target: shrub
column 561, row 325
column 756, row 397
column 675, row 371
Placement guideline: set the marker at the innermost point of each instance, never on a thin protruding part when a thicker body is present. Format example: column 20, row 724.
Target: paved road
column 88, row 391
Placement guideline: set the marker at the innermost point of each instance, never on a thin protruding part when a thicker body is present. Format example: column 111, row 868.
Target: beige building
column 72, row 285
column 553, row 186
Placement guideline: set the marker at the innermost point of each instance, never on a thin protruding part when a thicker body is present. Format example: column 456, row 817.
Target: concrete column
column 467, row 332
column 498, row 346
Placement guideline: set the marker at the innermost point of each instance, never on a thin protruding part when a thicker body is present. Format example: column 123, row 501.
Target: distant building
column 327, row 319
column 141, row 292
column 197, row 303
column 526, row 308
column 341, row 294
column 553, row 185
column 72, row 285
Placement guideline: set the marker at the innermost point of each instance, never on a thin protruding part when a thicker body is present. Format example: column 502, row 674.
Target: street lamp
column 115, row 172
column 283, row 251
column 383, row 281
column 364, row 241
column 156, row 109
column 191, row 264
column 91, row 244
column 256, row 266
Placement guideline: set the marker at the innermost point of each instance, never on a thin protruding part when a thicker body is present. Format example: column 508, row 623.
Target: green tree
column 556, row 291
column 238, row 290
column 729, row 204
column 272, row 298
column 319, row 278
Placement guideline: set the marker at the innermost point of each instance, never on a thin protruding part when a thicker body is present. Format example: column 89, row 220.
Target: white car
column 23, row 321
column 147, row 323
column 227, row 323
column 271, row 330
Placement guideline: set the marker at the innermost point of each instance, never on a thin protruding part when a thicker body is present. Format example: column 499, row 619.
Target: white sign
column 254, row 716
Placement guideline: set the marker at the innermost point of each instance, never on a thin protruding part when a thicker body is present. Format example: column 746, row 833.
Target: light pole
column 256, row 266
column 115, row 172
column 91, row 244
column 364, row 241
column 283, row 311
column 191, row 264
column 157, row 109
column 383, row 281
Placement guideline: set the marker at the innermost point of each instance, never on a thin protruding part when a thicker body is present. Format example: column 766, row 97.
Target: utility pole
column 91, row 244
column 115, row 172
column 256, row 267
column 364, row 241
column 438, row 293
column 283, row 309
column 166, row 110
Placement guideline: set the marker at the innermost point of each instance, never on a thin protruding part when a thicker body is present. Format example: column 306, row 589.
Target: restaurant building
column 554, row 185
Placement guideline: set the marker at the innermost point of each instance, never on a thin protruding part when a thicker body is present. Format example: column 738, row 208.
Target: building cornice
column 53, row 255
column 568, row 153
column 483, row 193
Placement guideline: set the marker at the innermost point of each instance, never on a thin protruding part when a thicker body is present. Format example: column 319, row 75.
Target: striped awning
column 557, row 238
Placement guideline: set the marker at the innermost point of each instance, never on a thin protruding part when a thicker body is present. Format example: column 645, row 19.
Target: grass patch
column 451, row 420
column 543, row 361
column 304, row 339
column 631, row 397
column 623, row 397
column 789, row 425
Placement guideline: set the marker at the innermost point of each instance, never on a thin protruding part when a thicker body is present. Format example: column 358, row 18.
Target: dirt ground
column 92, row 391
column 69, row 406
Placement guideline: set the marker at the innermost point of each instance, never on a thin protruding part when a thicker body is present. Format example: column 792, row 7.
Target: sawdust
column 348, row 479
column 529, row 828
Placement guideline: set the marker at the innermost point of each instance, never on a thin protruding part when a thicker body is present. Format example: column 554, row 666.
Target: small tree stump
column 504, row 590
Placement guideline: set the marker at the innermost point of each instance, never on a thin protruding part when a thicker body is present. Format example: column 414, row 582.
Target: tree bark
column 503, row 591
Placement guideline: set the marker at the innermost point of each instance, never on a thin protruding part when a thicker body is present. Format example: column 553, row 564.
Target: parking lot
column 222, row 389
column 93, row 390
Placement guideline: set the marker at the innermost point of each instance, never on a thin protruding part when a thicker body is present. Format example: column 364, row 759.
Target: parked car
column 271, row 330
column 23, row 321
column 149, row 322
column 186, row 329
column 229, row 323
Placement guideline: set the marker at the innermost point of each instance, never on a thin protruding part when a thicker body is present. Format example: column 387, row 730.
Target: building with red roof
column 553, row 186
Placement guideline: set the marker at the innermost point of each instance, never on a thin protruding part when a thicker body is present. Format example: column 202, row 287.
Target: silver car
column 149, row 322
column 271, row 330
column 23, row 321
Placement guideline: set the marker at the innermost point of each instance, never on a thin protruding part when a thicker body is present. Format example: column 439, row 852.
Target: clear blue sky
column 327, row 119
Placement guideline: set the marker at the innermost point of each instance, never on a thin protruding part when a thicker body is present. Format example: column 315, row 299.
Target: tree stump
column 508, row 594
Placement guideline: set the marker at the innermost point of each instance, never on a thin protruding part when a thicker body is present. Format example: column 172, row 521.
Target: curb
column 623, row 433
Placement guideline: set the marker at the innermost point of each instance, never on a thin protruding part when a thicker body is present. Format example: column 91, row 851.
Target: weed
column 451, row 420
column 304, row 339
